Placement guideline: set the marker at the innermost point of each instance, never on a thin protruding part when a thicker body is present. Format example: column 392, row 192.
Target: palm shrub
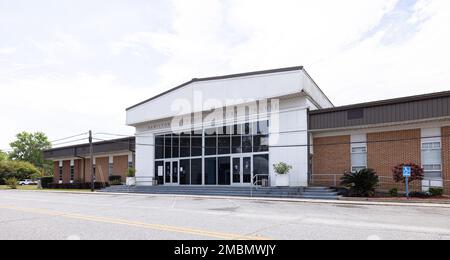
column 12, row 183
column 362, row 183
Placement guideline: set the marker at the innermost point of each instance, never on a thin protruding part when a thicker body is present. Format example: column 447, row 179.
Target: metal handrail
column 255, row 181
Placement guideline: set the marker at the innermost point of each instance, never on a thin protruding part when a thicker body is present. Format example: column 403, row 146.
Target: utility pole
column 91, row 151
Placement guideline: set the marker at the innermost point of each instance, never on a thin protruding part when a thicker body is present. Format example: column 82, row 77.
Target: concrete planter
column 131, row 181
column 282, row 180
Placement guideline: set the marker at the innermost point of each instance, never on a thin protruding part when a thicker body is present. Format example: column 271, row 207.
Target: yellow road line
column 174, row 229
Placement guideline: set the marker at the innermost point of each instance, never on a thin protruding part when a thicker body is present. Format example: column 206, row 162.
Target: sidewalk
column 341, row 201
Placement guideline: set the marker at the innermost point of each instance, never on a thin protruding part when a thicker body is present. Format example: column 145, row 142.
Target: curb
column 286, row 200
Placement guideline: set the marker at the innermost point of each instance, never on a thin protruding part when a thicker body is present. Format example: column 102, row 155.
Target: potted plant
column 131, row 177
column 282, row 170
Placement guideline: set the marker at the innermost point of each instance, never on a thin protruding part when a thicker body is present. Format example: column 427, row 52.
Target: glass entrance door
column 172, row 171
column 242, row 170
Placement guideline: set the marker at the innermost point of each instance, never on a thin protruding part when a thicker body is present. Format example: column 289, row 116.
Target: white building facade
column 227, row 131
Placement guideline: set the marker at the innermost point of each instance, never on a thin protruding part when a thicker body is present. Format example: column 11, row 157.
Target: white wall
column 294, row 121
column 145, row 154
column 229, row 92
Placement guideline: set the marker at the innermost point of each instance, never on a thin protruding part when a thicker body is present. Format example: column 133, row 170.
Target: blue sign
column 407, row 171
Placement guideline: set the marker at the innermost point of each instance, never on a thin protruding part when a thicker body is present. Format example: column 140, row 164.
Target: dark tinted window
column 159, row 147
column 211, row 142
column 225, row 140
column 210, row 171
column 175, row 146
column 196, row 172
column 355, row 114
column 168, row 146
column 185, row 145
column 185, row 175
column 197, row 143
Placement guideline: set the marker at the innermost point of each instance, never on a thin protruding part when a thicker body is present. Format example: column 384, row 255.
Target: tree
column 17, row 169
column 417, row 173
column 3, row 156
column 29, row 147
column 362, row 183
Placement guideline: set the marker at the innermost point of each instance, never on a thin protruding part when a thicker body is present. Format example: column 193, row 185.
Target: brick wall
column 446, row 158
column 56, row 172
column 120, row 167
column 331, row 156
column 383, row 154
column 66, row 171
column 102, row 169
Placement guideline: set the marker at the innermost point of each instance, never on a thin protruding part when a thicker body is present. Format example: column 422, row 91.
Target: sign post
column 407, row 174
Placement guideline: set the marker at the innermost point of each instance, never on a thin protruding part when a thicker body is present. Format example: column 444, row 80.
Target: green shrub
column 17, row 169
column 362, row 183
column 131, row 172
column 393, row 192
column 436, row 192
column 12, row 183
column 115, row 180
column 282, row 168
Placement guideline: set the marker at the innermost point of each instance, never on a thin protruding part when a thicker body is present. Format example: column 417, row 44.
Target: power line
column 69, row 142
column 294, row 145
column 70, row 137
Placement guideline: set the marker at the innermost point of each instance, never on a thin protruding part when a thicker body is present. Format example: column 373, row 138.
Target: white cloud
column 61, row 105
column 7, row 51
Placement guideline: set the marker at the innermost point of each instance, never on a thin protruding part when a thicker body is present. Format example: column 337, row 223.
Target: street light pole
column 91, row 151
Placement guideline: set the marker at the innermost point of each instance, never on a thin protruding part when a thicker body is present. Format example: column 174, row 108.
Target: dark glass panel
column 260, row 143
column 211, row 171
column 175, row 146
column 261, row 164
column 159, row 172
column 175, row 172
column 159, row 147
column 185, row 145
column 167, row 172
column 225, row 140
column 236, row 142
column 247, row 169
column 185, row 176
column 224, row 171
column 197, row 143
column 168, row 147
column 236, row 170
column 211, row 142
column 196, row 172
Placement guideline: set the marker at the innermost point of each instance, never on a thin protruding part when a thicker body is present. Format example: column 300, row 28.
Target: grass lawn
column 34, row 187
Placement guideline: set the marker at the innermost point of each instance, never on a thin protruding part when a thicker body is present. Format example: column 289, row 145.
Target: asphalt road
column 37, row 215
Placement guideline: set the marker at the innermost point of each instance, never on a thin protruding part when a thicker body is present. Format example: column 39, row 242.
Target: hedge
column 78, row 186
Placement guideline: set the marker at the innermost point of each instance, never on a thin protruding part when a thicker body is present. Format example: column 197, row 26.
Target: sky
column 69, row 66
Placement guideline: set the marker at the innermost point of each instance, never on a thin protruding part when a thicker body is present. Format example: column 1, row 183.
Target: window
column 355, row 114
column 432, row 159
column 175, row 146
column 211, row 142
column 261, row 138
column 236, row 142
column 185, row 172
column 72, row 173
column 224, row 170
column 159, row 147
column 196, row 172
column 247, row 142
column 211, row 171
column 197, row 143
column 168, row 147
column 185, row 145
column 159, row 172
column 359, row 158
column 225, row 140
column 60, row 173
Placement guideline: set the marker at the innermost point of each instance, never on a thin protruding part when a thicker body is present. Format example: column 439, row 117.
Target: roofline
column 383, row 102
column 131, row 138
column 231, row 76
column 321, row 91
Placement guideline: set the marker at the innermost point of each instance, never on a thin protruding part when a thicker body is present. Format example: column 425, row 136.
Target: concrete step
column 271, row 192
